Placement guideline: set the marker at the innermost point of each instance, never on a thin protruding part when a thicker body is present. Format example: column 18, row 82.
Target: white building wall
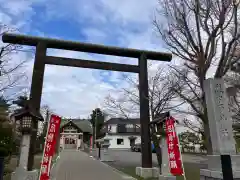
column 112, row 128
column 78, row 143
column 126, row 141
column 61, row 141
column 138, row 140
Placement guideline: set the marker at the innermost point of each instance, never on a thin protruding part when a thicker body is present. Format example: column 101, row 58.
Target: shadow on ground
column 127, row 161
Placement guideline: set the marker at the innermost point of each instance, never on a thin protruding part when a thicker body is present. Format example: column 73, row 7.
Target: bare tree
column 233, row 91
column 190, row 98
column 161, row 99
column 10, row 74
column 46, row 110
column 204, row 36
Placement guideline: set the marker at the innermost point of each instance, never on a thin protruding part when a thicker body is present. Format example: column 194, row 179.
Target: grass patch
column 13, row 164
column 192, row 172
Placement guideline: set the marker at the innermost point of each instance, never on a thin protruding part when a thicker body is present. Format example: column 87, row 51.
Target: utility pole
column 47, row 115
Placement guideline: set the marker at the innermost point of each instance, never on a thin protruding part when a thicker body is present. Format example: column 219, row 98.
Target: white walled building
column 122, row 132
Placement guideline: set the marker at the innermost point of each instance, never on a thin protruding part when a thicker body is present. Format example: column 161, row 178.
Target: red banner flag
column 49, row 148
column 174, row 154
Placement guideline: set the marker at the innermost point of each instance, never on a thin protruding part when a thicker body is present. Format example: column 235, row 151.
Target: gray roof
column 123, row 121
column 83, row 124
column 28, row 110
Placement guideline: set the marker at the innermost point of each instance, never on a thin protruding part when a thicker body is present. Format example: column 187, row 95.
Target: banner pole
column 48, row 121
column 184, row 176
column 52, row 147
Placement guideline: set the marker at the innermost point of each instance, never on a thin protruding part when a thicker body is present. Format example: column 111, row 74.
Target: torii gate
column 41, row 59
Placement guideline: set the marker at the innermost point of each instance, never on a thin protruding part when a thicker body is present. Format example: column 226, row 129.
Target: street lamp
column 158, row 125
column 25, row 118
column 26, row 124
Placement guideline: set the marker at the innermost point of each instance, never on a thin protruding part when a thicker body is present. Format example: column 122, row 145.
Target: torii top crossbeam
column 84, row 47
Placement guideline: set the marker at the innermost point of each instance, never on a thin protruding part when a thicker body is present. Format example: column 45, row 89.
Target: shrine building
column 74, row 133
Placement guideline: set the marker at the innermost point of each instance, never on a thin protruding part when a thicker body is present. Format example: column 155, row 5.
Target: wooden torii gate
column 41, row 59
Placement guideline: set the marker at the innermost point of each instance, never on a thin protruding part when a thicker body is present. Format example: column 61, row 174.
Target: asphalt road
column 128, row 158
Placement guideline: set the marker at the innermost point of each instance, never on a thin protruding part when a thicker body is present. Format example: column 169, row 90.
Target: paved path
column 77, row 165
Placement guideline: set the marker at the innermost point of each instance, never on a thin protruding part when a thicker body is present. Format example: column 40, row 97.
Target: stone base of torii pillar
column 147, row 172
column 154, row 172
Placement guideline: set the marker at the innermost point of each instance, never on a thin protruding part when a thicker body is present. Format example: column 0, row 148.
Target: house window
column 120, row 141
column 109, row 128
column 121, row 128
column 137, row 128
column 129, row 125
column 130, row 128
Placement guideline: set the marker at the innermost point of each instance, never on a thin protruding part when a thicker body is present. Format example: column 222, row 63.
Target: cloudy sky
column 74, row 92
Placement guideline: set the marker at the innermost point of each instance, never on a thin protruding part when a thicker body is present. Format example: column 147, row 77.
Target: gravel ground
column 128, row 158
